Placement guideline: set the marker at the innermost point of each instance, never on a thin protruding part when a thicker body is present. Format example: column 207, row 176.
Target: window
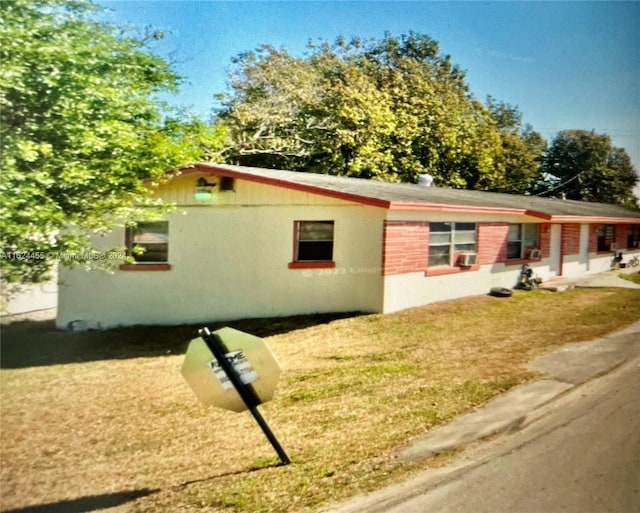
column 148, row 242
column 314, row 241
column 606, row 236
column 633, row 237
column 521, row 239
column 447, row 239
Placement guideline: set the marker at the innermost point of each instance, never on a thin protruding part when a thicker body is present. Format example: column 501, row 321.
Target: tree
column 584, row 166
column 389, row 109
column 82, row 133
column 305, row 114
column 522, row 149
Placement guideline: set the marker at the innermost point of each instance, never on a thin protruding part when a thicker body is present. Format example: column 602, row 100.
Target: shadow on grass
column 29, row 343
column 86, row 504
column 227, row 474
column 111, row 500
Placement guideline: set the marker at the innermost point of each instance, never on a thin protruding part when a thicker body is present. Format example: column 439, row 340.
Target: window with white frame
column 148, row 242
column 522, row 239
column 447, row 240
column 314, row 241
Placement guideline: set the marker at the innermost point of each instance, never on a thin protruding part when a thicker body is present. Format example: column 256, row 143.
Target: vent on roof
column 425, row 180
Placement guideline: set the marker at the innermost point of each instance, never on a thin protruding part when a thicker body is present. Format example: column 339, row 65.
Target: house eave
column 213, row 170
column 592, row 219
column 465, row 209
column 261, row 176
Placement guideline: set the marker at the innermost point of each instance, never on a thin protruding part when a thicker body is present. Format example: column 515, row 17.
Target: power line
column 561, row 184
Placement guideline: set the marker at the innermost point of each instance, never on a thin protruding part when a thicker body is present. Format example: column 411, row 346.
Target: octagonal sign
column 249, row 356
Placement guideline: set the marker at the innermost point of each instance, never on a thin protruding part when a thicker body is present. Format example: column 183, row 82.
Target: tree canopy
column 395, row 108
column 522, row 149
column 83, row 134
column 585, row 166
column 389, row 109
column 82, row 131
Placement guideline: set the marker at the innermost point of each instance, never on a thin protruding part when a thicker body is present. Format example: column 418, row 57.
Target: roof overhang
column 590, row 219
column 217, row 170
column 466, row 209
column 246, row 174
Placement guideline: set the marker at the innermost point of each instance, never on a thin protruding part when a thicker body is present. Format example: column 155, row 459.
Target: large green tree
column 389, row 109
column 522, row 149
column 583, row 165
column 82, row 131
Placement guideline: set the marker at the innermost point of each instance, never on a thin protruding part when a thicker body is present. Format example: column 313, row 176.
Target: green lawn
column 634, row 277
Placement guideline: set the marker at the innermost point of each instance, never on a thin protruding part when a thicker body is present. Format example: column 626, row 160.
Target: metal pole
column 246, row 392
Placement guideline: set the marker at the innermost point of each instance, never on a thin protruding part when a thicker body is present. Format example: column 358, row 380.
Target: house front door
column 584, row 246
column 555, row 254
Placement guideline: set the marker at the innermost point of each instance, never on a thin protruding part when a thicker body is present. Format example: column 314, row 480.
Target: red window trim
column 149, row 266
column 145, row 267
column 520, row 261
column 310, row 264
column 439, row 271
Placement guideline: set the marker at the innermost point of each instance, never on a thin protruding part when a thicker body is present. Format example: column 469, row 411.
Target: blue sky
column 565, row 65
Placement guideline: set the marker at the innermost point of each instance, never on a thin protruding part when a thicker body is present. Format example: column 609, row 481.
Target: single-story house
column 247, row 242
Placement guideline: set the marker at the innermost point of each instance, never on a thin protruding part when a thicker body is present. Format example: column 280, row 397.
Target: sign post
column 227, row 381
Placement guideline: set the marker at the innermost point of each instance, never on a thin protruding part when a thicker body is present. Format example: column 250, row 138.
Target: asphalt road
column 580, row 454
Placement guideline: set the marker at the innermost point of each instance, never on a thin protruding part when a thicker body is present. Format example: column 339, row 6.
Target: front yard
column 105, row 420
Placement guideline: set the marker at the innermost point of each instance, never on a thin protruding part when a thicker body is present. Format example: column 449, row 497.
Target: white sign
column 240, row 364
column 249, row 356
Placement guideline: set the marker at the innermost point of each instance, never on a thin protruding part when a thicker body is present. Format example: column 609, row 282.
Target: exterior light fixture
column 204, row 190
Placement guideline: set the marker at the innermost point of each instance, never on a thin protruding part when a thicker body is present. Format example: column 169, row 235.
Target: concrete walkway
column 604, row 279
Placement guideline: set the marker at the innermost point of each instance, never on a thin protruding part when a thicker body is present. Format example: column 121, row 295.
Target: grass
column 634, row 277
column 105, row 418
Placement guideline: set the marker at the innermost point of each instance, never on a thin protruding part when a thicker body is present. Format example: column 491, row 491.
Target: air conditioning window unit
column 614, row 246
column 468, row 259
column 534, row 254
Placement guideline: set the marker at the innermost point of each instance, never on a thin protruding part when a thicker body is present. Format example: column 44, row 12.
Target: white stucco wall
column 230, row 259
column 415, row 289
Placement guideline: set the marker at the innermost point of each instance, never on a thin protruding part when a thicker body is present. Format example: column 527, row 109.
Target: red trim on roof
column 218, row 170
column 594, row 219
column 300, row 187
column 445, row 207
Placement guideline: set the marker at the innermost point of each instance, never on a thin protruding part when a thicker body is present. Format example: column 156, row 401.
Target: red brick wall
column 492, row 242
column 620, row 238
column 545, row 240
column 405, row 247
column 570, row 239
column 622, row 234
column 406, row 243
